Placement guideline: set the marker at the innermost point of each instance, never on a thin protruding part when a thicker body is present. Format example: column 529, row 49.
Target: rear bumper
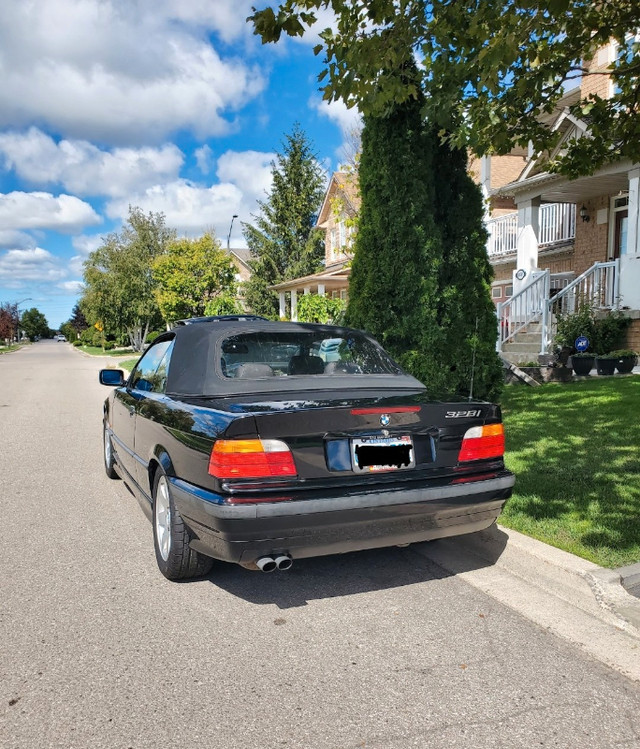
column 337, row 523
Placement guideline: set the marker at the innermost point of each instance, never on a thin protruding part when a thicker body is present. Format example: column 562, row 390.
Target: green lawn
column 575, row 450
column 99, row 351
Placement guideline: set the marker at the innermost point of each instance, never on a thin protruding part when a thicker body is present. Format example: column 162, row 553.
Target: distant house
column 340, row 206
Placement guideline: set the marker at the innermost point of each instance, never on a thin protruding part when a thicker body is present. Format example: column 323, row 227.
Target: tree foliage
column 8, row 320
column 119, row 284
column 420, row 276
column 34, row 323
column 489, row 69
column 190, row 274
column 320, row 309
column 284, row 243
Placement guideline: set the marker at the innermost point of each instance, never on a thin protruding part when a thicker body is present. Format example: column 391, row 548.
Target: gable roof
column 569, row 128
column 342, row 185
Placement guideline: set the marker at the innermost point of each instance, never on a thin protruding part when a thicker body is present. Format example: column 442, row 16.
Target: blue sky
column 173, row 106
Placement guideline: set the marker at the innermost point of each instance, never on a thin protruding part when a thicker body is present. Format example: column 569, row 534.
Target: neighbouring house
column 240, row 257
column 339, row 209
column 554, row 241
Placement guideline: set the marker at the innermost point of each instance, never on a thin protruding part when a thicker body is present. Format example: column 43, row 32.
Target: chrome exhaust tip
column 266, row 564
column 283, row 562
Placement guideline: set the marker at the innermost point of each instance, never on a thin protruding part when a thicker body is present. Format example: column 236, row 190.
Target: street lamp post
column 233, row 218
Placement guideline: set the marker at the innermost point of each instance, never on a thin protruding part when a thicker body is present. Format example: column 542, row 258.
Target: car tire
column 107, row 452
column 176, row 559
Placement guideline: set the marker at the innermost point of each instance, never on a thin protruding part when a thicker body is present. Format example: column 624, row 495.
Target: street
column 382, row 649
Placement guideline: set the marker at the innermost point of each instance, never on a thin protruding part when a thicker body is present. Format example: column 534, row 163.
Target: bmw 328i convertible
column 258, row 443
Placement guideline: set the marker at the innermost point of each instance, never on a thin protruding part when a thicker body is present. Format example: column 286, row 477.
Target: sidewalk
column 573, row 598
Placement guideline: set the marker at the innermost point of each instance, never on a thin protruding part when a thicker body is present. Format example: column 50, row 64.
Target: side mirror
column 114, row 377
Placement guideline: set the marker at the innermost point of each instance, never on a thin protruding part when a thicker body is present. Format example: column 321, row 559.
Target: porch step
column 523, row 346
column 527, row 336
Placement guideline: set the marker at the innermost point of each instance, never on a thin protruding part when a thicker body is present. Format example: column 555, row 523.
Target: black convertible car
column 259, row 442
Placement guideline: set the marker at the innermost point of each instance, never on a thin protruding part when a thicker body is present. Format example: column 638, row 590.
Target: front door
column 620, row 235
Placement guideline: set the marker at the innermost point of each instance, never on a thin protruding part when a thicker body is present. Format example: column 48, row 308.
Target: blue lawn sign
column 581, row 343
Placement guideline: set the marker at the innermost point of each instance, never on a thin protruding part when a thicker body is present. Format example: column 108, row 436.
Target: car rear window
column 258, row 355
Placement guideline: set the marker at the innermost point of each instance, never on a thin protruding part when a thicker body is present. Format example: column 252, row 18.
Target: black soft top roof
column 195, row 368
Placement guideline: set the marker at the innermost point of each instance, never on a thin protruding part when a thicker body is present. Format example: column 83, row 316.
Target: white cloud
column 83, row 168
column 346, row 119
column 204, row 158
column 244, row 177
column 41, row 210
column 30, row 265
column 86, row 243
column 250, row 171
column 12, row 240
column 225, row 17
column 187, row 207
column 119, row 71
column 71, row 287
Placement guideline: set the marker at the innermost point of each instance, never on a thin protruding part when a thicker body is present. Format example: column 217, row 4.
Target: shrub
column 604, row 333
column 320, row 309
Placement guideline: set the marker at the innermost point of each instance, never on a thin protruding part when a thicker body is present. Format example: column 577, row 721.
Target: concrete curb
column 611, row 589
column 574, row 599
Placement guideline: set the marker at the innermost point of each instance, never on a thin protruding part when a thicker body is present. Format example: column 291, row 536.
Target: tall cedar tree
column 393, row 284
column 284, row 243
column 420, row 275
column 465, row 313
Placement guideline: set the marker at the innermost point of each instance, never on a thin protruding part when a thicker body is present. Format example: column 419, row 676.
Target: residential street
column 383, row 649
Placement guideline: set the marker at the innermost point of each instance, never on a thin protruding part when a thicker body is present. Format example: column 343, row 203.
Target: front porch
column 332, row 281
column 597, row 217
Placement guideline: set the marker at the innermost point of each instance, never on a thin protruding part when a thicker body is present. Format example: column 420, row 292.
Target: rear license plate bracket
column 375, row 454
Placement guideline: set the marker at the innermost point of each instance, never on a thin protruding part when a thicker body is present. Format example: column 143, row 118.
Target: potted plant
column 626, row 360
column 606, row 364
column 583, row 363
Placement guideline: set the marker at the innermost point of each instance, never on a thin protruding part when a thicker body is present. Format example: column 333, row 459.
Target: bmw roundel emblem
column 385, row 419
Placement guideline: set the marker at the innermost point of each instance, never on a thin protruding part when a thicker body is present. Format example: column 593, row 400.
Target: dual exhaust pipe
column 269, row 564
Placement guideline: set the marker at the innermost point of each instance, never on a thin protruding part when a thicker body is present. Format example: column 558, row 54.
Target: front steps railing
column 533, row 308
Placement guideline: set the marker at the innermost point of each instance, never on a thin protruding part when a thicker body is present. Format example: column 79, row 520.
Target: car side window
column 150, row 373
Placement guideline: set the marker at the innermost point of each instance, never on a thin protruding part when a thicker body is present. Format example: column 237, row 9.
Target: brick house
column 341, row 204
column 553, row 240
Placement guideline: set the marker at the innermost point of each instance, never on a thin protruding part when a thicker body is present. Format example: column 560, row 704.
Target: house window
column 508, row 291
column 496, row 292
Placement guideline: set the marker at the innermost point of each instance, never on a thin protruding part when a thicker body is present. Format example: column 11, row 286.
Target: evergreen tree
column 466, row 315
column 393, row 284
column 284, row 243
column 420, row 275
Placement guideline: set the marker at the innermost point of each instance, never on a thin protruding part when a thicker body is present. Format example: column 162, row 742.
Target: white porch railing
column 524, row 308
column 503, row 235
column 597, row 286
column 557, row 224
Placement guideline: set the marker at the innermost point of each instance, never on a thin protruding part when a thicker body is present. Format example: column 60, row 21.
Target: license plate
column 369, row 454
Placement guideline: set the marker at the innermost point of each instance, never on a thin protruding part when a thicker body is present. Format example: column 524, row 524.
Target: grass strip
column 574, row 450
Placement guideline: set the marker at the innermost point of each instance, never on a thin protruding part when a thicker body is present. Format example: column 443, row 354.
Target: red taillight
column 251, row 459
column 483, row 442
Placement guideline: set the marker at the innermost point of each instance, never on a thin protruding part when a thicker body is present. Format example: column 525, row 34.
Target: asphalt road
column 380, row 649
